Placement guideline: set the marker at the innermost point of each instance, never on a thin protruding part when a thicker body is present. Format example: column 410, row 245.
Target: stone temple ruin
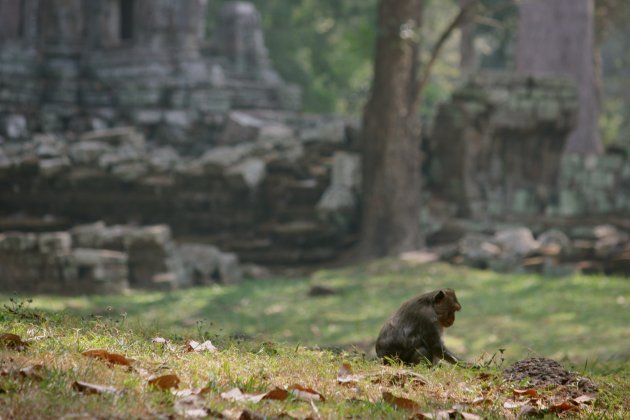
column 126, row 112
column 136, row 151
column 75, row 64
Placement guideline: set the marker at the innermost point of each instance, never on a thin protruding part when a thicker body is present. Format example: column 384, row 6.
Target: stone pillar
column 169, row 25
column 239, row 38
column 102, row 24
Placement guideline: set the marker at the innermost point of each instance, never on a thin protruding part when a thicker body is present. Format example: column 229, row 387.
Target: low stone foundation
column 258, row 194
column 99, row 259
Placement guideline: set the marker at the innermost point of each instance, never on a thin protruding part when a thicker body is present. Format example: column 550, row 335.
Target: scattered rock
column 319, row 290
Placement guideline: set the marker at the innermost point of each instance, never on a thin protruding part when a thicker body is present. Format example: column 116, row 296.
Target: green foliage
column 324, row 46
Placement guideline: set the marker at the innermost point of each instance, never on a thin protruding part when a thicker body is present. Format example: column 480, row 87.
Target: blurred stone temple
column 133, row 60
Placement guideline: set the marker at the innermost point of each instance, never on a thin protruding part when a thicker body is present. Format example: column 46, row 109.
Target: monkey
column 413, row 333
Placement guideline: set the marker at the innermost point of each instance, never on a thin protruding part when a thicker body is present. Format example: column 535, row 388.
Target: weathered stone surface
column 15, row 126
column 516, row 242
column 554, row 242
column 508, row 149
column 205, row 264
column 88, row 152
column 478, row 250
column 105, row 270
column 252, row 170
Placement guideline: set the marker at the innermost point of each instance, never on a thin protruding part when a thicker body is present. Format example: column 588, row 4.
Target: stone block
column 101, row 271
column 18, row 242
column 55, row 243
column 252, row 170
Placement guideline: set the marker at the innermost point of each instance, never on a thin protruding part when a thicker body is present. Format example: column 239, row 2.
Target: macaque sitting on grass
column 413, row 334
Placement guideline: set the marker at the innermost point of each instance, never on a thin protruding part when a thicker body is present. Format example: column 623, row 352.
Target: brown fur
column 413, row 333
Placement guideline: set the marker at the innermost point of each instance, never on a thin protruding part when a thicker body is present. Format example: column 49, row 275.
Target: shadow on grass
column 581, row 319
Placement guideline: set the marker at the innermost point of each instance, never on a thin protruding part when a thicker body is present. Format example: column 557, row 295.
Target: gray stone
column 325, row 131
column 337, row 201
column 252, row 170
column 55, row 243
column 118, row 136
column 346, row 171
column 518, row 242
column 274, row 134
column 554, row 242
column 220, row 158
column 5, row 161
column 118, row 156
column 88, row 152
column 148, row 116
column 15, row 126
column 12, row 242
column 51, row 167
column 164, row 159
column 478, row 250
column 179, row 119
column 130, row 171
column 205, row 264
column 240, row 127
column 108, row 269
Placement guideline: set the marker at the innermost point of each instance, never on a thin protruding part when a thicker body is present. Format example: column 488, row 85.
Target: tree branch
column 459, row 19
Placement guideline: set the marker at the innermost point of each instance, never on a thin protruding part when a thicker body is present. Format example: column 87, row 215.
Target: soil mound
column 542, row 372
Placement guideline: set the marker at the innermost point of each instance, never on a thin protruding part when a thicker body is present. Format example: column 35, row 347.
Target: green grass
column 581, row 321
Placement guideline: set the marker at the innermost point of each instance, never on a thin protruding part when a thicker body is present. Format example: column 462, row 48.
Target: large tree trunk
column 391, row 136
column 557, row 37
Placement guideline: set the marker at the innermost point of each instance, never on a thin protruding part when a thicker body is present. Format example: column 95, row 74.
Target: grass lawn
column 271, row 333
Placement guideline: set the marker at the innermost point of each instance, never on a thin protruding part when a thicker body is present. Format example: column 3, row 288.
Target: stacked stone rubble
column 593, row 249
column 256, row 194
column 96, row 258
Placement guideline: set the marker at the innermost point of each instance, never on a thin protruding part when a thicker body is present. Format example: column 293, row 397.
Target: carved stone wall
column 497, row 151
column 67, row 60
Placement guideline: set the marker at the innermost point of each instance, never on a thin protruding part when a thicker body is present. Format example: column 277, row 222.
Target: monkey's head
column 446, row 304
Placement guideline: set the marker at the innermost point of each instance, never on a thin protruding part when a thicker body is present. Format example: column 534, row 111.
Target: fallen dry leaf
column 469, row 416
column 345, row 375
column 511, row 404
column 529, row 410
column 439, row 415
column 91, row 389
column 563, row 407
column 399, row 378
column 188, row 392
column 527, row 392
column 165, row 382
column 191, row 406
column 200, row 347
column 307, row 394
column 159, row 340
column 236, row 414
column 399, row 402
column 113, row 358
column 584, row 399
column 33, row 372
column 236, row 394
column 13, row 341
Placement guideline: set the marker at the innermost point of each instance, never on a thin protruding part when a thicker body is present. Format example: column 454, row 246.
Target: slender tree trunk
column 557, row 37
column 468, row 56
column 391, row 136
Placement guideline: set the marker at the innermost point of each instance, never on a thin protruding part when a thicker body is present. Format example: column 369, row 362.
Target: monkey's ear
column 439, row 296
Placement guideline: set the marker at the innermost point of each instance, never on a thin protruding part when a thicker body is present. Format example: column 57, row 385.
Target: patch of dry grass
column 56, row 342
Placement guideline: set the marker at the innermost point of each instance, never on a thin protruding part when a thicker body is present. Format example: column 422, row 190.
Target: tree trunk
column 557, row 38
column 391, row 136
column 468, row 56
